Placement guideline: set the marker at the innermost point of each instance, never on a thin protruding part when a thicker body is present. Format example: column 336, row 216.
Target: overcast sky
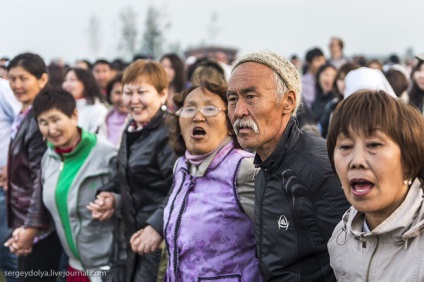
column 59, row 28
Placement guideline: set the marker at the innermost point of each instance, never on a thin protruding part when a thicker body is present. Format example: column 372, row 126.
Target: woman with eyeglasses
column 207, row 222
column 145, row 162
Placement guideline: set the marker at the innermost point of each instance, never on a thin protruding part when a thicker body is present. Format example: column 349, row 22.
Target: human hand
column 103, row 207
column 3, row 177
column 21, row 241
column 145, row 240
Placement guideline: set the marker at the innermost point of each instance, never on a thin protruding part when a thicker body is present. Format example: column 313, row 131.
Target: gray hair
column 286, row 75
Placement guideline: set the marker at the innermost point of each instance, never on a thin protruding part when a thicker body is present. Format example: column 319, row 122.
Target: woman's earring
column 163, row 107
column 44, row 138
column 407, row 181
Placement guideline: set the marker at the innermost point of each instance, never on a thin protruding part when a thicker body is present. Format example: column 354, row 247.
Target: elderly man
column 299, row 199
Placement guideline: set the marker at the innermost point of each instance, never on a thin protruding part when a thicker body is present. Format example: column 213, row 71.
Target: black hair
column 142, row 56
column 91, row 88
column 394, row 59
column 319, row 91
column 312, row 54
column 56, row 75
column 54, row 98
column 179, row 80
column 416, row 94
column 109, row 87
column 32, row 63
column 102, row 62
column 87, row 62
column 118, row 64
column 397, row 80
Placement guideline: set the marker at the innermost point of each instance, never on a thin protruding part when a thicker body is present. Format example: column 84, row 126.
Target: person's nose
column 198, row 116
column 16, row 84
column 135, row 99
column 358, row 156
column 240, row 109
column 52, row 129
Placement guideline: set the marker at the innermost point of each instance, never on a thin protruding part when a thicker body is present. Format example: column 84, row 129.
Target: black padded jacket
column 299, row 201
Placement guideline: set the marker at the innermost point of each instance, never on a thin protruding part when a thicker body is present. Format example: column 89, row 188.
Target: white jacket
column 90, row 117
column 393, row 251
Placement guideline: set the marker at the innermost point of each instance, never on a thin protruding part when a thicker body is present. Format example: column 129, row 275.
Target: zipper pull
column 364, row 242
column 61, row 166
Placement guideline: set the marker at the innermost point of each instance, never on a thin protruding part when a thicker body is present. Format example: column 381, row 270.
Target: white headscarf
column 366, row 79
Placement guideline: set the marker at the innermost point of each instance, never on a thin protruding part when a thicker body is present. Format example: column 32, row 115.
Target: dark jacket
column 24, row 199
column 145, row 163
column 298, row 203
column 325, row 119
column 318, row 106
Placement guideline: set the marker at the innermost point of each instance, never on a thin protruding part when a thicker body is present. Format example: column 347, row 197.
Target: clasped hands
column 21, row 241
column 144, row 241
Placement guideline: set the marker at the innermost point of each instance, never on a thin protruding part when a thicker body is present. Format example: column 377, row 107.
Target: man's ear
column 289, row 102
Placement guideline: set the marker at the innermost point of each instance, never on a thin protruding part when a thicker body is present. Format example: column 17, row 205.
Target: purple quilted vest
column 209, row 237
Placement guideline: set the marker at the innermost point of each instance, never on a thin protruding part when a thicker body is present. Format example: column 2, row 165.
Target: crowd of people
column 261, row 169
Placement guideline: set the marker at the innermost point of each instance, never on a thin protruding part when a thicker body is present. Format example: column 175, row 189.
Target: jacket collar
column 153, row 123
column 212, row 161
column 406, row 222
column 288, row 140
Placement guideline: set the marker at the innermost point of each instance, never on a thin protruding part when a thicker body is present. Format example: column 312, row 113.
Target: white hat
column 366, row 79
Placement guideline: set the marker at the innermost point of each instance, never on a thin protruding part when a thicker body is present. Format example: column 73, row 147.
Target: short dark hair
column 109, row 86
column 175, row 137
column 54, row 98
column 368, row 110
column 102, row 62
column 397, row 80
column 91, row 88
column 312, row 54
column 32, row 63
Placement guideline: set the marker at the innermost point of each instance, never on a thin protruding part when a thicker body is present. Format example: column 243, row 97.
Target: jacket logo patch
column 283, row 223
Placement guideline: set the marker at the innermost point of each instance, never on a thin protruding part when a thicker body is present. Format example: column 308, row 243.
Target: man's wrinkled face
column 258, row 118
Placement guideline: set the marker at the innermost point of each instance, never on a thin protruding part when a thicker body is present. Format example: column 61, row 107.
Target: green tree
column 129, row 32
column 153, row 36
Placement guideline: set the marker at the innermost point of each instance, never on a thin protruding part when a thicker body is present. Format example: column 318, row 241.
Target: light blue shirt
column 9, row 108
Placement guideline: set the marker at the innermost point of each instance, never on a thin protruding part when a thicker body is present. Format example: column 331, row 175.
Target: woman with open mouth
column 375, row 144
column 206, row 222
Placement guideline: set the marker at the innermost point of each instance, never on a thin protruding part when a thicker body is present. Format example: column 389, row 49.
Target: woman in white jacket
column 375, row 143
column 91, row 110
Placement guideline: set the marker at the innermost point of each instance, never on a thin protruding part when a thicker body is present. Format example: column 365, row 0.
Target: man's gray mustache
column 249, row 123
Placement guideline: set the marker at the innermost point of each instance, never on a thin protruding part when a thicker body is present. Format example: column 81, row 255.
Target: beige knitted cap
column 280, row 65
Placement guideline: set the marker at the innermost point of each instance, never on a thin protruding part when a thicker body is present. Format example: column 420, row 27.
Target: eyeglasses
column 207, row 111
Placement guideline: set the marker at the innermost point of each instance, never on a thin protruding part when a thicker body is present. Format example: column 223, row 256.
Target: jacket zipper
column 260, row 218
column 372, row 257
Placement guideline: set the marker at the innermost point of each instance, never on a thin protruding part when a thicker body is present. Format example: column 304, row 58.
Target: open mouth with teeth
column 198, row 132
column 361, row 187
